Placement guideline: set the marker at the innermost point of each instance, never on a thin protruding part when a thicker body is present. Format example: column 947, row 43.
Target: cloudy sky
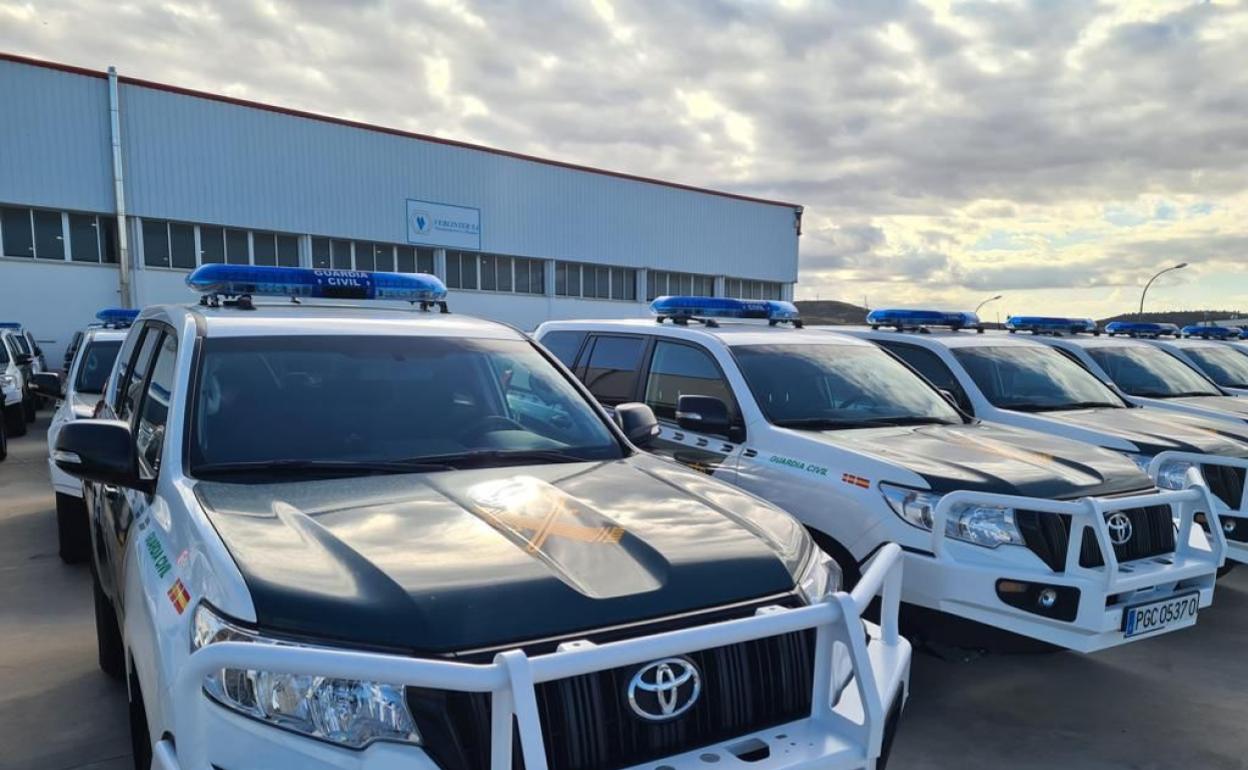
column 1054, row 151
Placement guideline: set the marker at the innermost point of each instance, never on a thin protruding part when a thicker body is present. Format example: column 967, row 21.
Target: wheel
column 1223, row 571
column 32, row 409
column 72, row 529
column 4, row 441
column 15, row 420
column 108, row 644
column 140, row 737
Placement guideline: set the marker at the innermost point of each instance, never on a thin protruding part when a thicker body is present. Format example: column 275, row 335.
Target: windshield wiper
column 318, row 468
column 482, row 458
column 1180, row 394
column 833, row 423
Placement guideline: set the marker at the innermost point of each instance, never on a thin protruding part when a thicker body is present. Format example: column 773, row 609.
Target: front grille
column 587, row 722
column 1225, row 483
column 1048, row 535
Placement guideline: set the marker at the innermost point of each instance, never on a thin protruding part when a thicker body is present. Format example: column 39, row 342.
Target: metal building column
column 548, row 273
column 124, row 290
column 439, row 263
column 643, row 281
column 720, row 288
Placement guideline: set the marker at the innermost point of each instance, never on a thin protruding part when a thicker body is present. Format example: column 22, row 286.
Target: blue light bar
column 903, row 320
column 684, row 308
column 117, row 316
column 1140, row 329
column 1038, row 324
column 10, row 325
column 1212, row 332
column 247, row 280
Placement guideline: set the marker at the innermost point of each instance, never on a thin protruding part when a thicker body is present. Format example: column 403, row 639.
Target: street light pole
column 985, row 302
column 1144, row 293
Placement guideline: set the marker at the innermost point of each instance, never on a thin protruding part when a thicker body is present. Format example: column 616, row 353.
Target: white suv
column 331, row 537
column 1053, row 539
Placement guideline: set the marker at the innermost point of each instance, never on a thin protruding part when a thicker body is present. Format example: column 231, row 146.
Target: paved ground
column 1179, row 701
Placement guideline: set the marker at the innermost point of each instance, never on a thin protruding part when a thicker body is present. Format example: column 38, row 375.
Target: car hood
column 467, row 560
column 997, row 459
column 1155, row 430
column 1232, row 406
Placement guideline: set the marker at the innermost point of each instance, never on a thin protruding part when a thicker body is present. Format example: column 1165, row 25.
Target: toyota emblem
column 1120, row 529
column 664, row 689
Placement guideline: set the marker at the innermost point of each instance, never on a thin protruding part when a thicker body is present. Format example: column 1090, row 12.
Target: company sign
column 441, row 224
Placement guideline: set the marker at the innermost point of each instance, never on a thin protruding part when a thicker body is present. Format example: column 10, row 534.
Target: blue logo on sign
column 422, row 222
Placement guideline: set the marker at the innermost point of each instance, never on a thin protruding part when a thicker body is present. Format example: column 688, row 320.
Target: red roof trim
column 382, row 129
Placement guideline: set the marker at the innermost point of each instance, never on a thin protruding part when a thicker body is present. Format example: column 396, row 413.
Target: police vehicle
column 1203, row 349
column 1130, row 360
column 1027, row 382
column 16, row 366
column 78, row 394
column 466, row 565
column 1052, row 539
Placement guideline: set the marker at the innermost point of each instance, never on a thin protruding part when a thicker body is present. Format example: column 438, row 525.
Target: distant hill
column 1179, row 317
column 827, row 311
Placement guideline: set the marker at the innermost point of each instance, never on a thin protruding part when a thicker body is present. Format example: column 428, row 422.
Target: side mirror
column 48, row 384
column 704, row 414
column 100, row 451
column 638, row 423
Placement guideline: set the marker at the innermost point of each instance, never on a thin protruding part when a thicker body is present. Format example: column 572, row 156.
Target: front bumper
column 845, row 732
column 1237, row 516
column 963, row 579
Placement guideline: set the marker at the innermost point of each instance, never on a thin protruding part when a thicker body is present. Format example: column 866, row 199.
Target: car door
column 676, row 368
column 114, row 514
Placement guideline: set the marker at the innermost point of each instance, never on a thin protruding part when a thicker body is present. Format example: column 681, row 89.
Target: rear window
column 564, row 344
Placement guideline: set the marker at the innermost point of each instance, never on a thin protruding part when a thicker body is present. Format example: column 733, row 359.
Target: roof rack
column 1052, row 325
column 1141, row 329
column 235, row 285
column 681, row 310
column 922, row 321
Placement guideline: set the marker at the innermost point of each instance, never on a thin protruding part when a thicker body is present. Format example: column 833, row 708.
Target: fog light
column 1228, row 526
column 1047, row 598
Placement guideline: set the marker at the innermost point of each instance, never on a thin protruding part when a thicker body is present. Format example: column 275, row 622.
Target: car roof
column 102, row 334
column 323, row 318
column 1103, row 341
column 1193, row 343
column 728, row 333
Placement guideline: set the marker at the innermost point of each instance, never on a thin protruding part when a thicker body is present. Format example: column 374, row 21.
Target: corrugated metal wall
column 207, row 161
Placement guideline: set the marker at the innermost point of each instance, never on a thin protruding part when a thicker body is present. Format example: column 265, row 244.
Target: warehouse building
column 112, row 189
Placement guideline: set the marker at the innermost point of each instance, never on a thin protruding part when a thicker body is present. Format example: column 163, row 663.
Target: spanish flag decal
column 179, row 596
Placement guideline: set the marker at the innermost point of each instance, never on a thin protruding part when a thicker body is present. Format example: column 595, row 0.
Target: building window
column 341, row 251
column 155, row 243
column 743, row 288
column 461, row 270
column 413, row 259
column 211, row 245
column 664, row 282
column 576, row 279
column 17, row 233
column 49, row 235
column 495, row 272
column 184, row 246
column 362, row 255
column 57, row 235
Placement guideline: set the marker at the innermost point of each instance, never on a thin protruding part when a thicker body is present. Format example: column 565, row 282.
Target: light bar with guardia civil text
column 1140, row 329
column 1038, row 324
column 1212, row 332
column 685, row 308
column 247, row 280
column 117, row 317
column 920, row 320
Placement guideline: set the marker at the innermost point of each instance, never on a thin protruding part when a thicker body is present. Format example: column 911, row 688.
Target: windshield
column 1148, row 372
column 22, row 344
column 823, row 387
column 328, row 405
column 1225, row 366
column 97, row 363
column 1033, row 379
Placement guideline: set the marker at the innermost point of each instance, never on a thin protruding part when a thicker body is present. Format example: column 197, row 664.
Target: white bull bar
column 1235, row 551
column 881, row 673
column 1089, row 514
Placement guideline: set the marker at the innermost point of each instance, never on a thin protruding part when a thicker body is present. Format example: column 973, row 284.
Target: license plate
column 1165, row 615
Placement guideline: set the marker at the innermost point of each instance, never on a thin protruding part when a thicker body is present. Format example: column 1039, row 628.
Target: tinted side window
column 682, row 370
column 130, row 387
column 150, row 435
column 928, row 364
column 565, row 345
column 611, row 372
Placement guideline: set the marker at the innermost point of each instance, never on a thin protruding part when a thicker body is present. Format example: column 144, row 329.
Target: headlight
column 347, row 712
column 986, row 525
column 7, row 381
column 821, row 577
column 1171, row 475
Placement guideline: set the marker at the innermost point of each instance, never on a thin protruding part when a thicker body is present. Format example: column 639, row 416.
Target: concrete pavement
column 1178, row 701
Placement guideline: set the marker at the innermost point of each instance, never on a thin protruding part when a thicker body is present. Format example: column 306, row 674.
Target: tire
column 72, row 530
column 1223, row 571
column 108, row 644
column 4, row 441
column 140, row 736
column 15, row 420
column 31, row 408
